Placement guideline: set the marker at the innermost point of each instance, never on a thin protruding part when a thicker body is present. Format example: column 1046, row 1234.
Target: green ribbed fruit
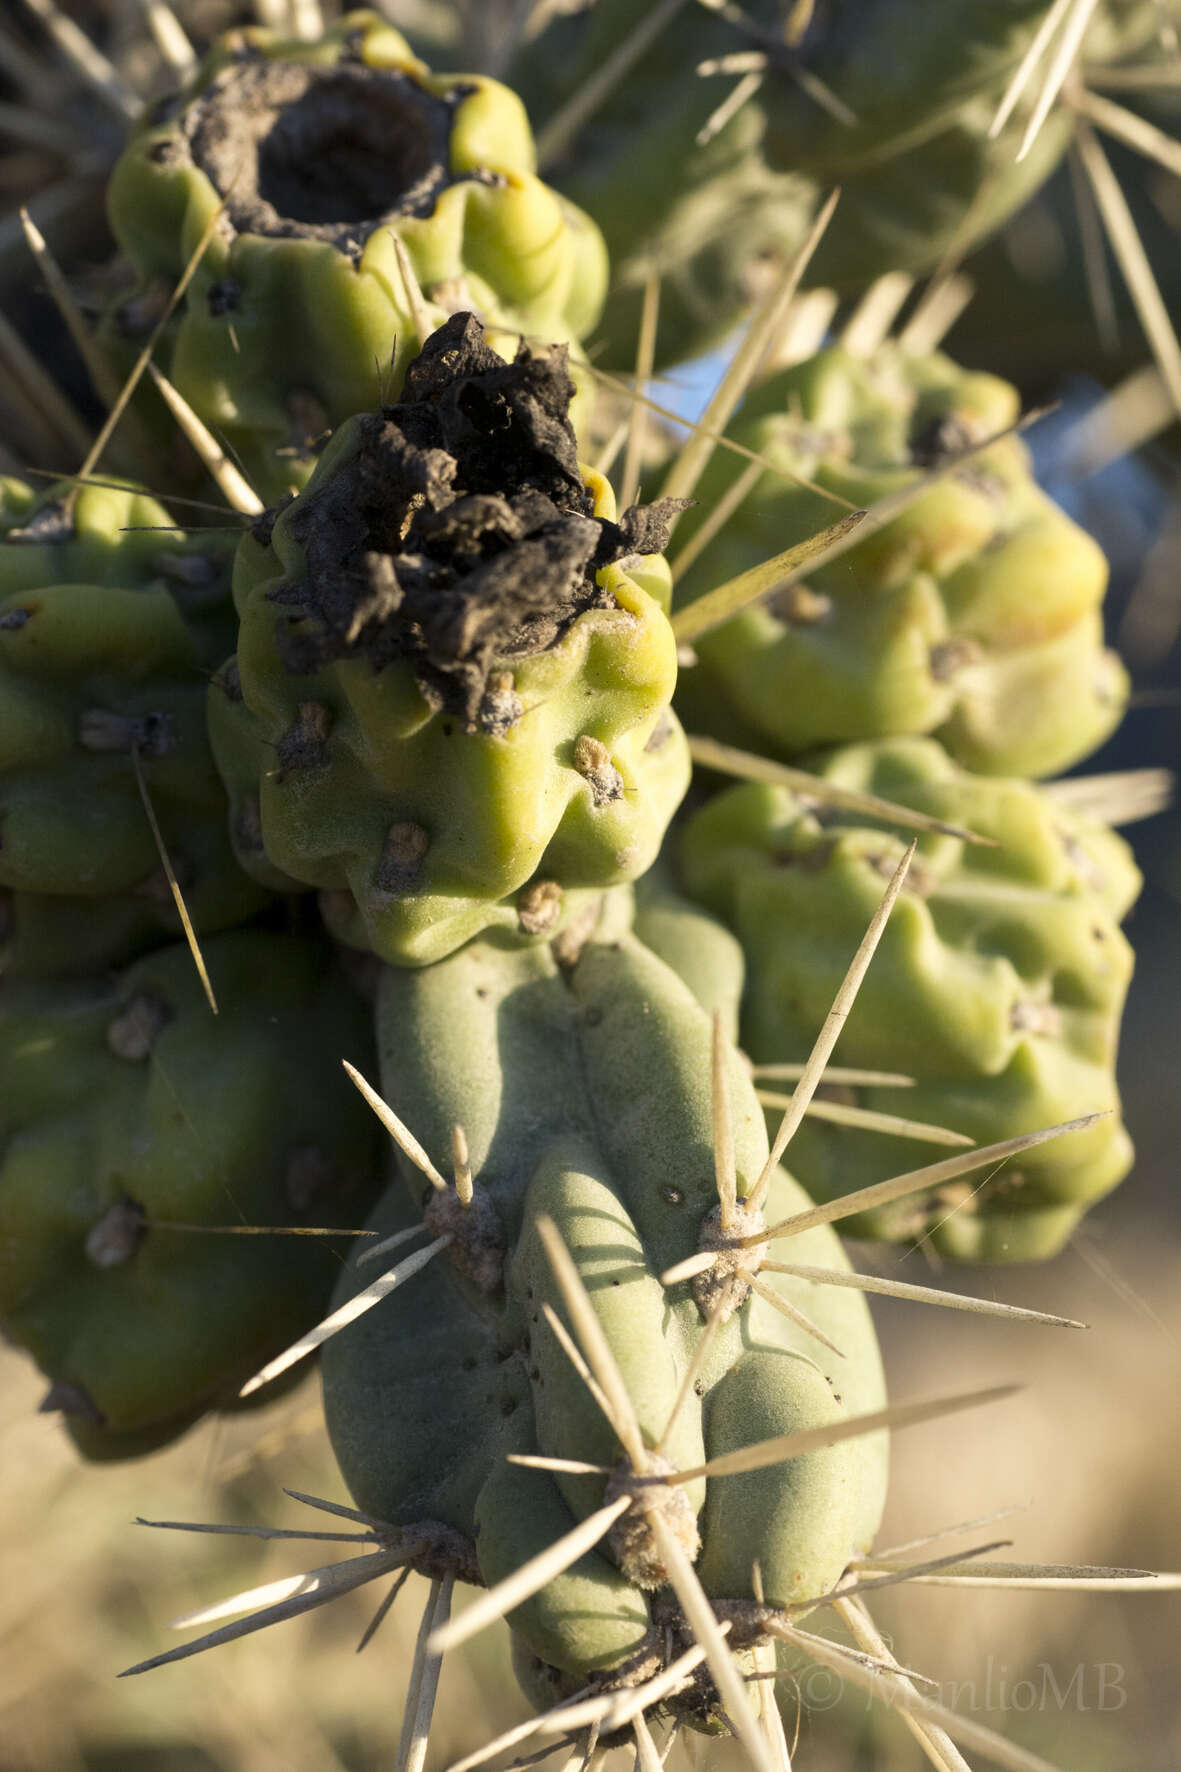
column 109, row 630
column 974, row 614
column 323, row 154
column 581, row 1076
column 449, row 709
column 131, row 1112
column 998, row 985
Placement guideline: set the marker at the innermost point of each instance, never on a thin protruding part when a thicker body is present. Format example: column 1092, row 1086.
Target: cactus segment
column 108, row 631
column 974, row 614
column 131, row 1113
column 581, row 1076
column 323, row 157
column 454, row 666
column 998, row 986
column 706, row 180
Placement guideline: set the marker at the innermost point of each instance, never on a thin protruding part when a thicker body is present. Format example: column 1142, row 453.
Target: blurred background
column 1087, row 1457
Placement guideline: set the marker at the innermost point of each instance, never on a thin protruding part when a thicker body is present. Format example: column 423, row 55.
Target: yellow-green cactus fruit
column 321, row 157
column 998, row 985
column 974, row 614
column 111, row 621
column 450, row 701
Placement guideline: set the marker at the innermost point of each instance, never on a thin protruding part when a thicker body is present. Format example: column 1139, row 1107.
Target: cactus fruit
column 461, row 662
column 133, row 1121
column 108, row 633
column 321, row 157
column 974, row 614
column 998, row 986
column 581, row 1076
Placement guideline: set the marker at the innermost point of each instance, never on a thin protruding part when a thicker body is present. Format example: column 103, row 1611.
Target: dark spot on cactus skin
column 311, row 1174
column 500, row 706
column 941, row 437
column 478, row 1245
column 661, row 732
column 223, row 297
column 14, row 619
column 460, row 534
column 263, row 526
column 248, row 825
column 308, row 425
column 1036, row 1018
column 229, row 680
column 304, row 744
column 539, row 907
column 134, row 1032
column 400, row 868
column 114, row 1238
column 168, row 152
column 952, row 656
column 71, row 1399
column 101, row 729
column 801, row 607
column 592, row 760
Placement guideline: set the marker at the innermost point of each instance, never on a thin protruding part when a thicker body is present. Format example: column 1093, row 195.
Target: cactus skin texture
column 998, row 985
column 582, row 1080
column 458, row 760
column 975, row 614
column 323, row 152
column 124, row 1101
column 108, row 633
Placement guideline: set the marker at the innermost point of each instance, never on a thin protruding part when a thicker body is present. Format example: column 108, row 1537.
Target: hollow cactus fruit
column 998, row 986
column 450, row 701
column 974, row 614
column 109, row 630
column 582, row 1079
column 134, row 1122
column 321, row 157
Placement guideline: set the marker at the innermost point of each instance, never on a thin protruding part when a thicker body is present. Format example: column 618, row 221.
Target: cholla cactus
column 108, row 632
column 134, row 1120
column 461, row 664
column 976, row 613
column 999, row 987
column 592, row 1131
column 321, row 158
